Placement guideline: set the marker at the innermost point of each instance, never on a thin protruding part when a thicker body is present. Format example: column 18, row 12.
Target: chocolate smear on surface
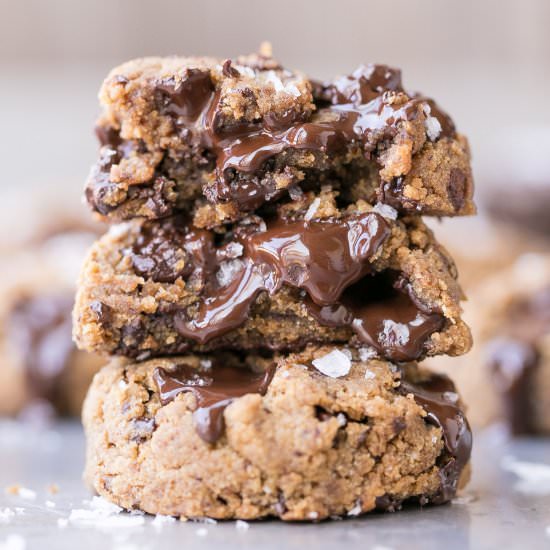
column 437, row 396
column 214, row 388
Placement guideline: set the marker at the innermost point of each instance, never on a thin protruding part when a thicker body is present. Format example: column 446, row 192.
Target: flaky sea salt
column 27, row 494
column 312, row 209
column 366, row 353
column 356, row 510
column 450, row 396
column 228, row 271
column 202, row 532
column 161, row 520
column 333, row 364
column 49, row 504
column 6, row 515
column 13, row 542
column 432, row 125
column 385, row 210
column 241, row 525
column 534, row 478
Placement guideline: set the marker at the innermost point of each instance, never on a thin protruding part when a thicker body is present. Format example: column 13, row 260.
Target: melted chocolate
column 437, row 396
column 384, row 314
column 362, row 113
column 321, row 257
column 41, row 328
column 214, row 389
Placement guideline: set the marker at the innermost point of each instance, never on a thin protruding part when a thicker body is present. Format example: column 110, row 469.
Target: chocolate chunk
column 437, row 396
column 214, row 388
column 159, row 253
column 230, row 71
column 388, row 503
column 457, row 188
column 186, row 99
column 103, row 312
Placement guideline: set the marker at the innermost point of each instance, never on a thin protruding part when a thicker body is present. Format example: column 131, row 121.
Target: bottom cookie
column 302, row 437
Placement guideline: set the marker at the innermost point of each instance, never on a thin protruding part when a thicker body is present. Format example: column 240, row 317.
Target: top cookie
column 221, row 138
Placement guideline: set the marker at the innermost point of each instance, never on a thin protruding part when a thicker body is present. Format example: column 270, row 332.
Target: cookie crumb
column 241, row 525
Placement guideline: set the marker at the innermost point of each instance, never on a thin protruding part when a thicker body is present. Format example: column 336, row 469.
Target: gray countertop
column 506, row 505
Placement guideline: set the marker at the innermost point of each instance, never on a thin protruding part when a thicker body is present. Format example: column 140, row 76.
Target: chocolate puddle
column 383, row 316
column 437, row 396
column 214, row 389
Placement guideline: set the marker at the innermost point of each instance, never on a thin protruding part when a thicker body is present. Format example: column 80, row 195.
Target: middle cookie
column 308, row 272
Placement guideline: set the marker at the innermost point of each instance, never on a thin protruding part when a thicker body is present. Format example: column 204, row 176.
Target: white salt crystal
column 385, row 210
column 333, row 364
column 312, row 209
column 241, row 525
column 13, row 542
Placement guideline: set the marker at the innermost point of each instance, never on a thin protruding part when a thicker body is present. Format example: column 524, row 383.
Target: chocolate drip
column 513, row 364
column 321, row 257
column 437, row 396
column 41, row 328
column 384, row 314
column 214, row 388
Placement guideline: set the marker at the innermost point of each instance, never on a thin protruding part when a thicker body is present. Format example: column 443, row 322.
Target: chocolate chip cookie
column 219, row 138
column 195, row 435
column 307, row 272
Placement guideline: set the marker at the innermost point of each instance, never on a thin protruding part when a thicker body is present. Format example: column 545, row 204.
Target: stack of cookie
column 267, row 287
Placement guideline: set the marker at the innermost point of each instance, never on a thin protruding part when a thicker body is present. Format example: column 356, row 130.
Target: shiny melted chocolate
column 384, row 314
column 357, row 113
column 214, row 388
column 41, row 328
column 437, row 396
column 321, row 257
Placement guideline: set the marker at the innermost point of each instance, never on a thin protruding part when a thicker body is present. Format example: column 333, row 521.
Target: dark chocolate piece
column 437, row 396
column 214, row 388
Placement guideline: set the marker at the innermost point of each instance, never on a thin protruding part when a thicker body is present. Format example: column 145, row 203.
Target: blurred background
column 486, row 62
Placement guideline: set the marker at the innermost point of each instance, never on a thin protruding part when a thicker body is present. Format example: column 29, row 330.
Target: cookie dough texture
column 312, row 447
column 121, row 311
